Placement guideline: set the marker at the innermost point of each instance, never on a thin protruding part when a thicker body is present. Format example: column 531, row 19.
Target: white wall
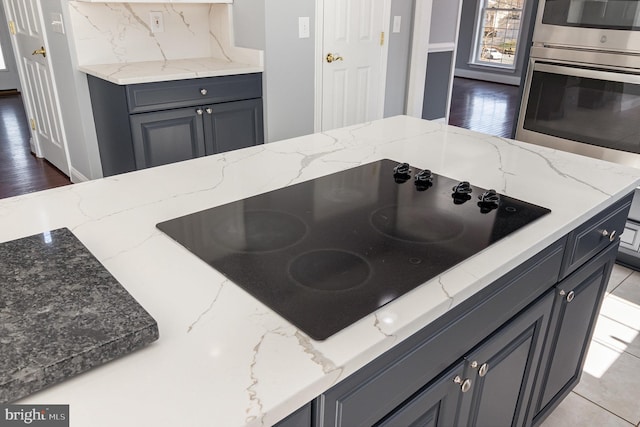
column 289, row 62
column 398, row 58
column 75, row 103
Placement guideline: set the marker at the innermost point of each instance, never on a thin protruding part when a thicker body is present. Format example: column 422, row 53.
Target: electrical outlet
column 303, row 27
column 157, row 22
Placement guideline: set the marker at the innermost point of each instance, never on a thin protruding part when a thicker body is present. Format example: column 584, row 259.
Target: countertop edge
column 101, row 72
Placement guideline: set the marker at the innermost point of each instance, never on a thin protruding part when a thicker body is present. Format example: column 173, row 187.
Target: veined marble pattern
column 224, row 358
column 221, row 38
column 110, row 33
column 116, row 33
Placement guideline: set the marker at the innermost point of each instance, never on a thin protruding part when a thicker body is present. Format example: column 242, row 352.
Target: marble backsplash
column 109, row 33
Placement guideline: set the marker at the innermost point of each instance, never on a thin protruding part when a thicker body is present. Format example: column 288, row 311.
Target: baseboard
column 76, row 176
column 489, row 77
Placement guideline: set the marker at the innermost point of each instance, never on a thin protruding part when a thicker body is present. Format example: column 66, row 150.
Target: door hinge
column 33, row 124
column 382, row 38
column 12, row 28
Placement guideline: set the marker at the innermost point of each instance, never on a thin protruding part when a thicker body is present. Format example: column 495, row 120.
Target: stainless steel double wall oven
column 582, row 90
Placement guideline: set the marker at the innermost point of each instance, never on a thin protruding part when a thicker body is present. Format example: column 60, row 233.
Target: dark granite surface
column 61, row 313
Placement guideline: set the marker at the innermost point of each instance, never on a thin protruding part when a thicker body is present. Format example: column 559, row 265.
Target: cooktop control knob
column 461, row 192
column 402, row 173
column 423, row 180
column 489, row 200
column 462, row 188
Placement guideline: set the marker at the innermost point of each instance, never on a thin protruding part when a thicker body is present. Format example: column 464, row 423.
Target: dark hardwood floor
column 484, row 106
column 20, row 171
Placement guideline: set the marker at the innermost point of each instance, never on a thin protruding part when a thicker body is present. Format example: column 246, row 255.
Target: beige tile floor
column 609, row 391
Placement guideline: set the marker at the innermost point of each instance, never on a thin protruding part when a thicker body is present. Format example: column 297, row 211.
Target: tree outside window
column 497, row 32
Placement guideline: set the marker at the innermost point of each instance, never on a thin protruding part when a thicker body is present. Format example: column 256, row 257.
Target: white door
column 352, row 79
column 38, row 84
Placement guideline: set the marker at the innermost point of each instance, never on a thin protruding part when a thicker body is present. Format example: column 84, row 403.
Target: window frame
column 475, row 58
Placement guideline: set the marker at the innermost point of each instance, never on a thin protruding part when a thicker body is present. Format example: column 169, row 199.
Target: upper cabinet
column 155, row 1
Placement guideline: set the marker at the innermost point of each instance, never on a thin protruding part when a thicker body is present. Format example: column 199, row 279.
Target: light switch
column 57, row 25
column 396, row 24
column 303, row 27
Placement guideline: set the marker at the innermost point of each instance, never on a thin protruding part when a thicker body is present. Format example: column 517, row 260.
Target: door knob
column 331, row 58
column 42, row 51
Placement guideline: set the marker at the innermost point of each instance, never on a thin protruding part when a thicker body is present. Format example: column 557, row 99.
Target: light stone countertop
column 176, row 69
column 225, row 359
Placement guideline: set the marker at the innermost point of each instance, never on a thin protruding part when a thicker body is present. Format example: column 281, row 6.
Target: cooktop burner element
column 329, row 270
column 259, row 231
column 327, row 252
column 416, row 224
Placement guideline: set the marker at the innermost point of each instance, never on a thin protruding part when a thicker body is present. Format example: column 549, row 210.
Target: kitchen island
column 223, row 358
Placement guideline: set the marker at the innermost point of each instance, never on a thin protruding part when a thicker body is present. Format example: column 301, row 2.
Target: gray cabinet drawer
column 147, row 97
column 595, row 235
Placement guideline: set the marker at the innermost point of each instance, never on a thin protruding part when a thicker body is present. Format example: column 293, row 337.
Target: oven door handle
column 586, row 72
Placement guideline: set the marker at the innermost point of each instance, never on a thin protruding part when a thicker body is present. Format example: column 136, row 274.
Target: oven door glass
column 604, row 14
column 587, row 105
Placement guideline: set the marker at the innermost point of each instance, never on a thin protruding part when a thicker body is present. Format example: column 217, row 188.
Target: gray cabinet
column 436, row 405
column 497, row 326
column 491, row 386
column 152, row 124
column 506, row 356
column 502, row 369
column 577, row 303
column 233, row 125
column 165, row 137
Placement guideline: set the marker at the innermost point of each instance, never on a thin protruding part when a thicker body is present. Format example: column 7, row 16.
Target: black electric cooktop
column 327, row 252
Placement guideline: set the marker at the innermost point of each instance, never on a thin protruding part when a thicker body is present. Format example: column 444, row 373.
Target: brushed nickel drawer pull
column 465, row 385
column 612, row 235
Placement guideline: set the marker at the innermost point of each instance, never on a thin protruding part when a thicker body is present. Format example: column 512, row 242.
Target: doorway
column 351, row 69
column 485, row 107
column 9, row 79
column 488, row 87
column 20, row 171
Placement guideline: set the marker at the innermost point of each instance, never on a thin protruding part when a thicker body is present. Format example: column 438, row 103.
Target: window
column 497, row 31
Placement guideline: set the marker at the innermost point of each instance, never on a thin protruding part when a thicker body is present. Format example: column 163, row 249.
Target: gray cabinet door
column 233, row 125
column 434, row 406
column 303, row 417
column 575, row 311
column 502, row 370
column 167, row 136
